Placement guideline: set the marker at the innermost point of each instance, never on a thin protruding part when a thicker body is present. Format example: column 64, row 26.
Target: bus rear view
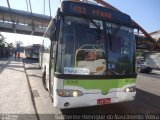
column 92, row 59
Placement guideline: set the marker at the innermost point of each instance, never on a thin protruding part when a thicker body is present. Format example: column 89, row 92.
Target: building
column 156, row 35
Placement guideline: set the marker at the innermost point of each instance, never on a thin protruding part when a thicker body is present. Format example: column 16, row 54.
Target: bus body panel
column 91, row 99
column 115, row 92
column 103, row 86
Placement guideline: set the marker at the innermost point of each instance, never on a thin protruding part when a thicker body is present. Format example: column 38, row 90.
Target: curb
column 30, row 90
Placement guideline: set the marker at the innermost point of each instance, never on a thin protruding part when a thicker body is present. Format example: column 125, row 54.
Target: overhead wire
column 33, row 25
column 44, row 7
column 30, row 6
column 49, row 7
column 27, row 5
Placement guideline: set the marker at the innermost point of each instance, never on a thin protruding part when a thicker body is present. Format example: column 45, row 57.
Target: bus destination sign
column 94, row 11
column 84, row 9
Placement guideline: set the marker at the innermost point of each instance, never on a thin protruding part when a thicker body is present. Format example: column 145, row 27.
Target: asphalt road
column 147, row 100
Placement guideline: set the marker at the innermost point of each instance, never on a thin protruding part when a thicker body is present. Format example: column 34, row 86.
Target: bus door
column 53, row 37
column 52, row 65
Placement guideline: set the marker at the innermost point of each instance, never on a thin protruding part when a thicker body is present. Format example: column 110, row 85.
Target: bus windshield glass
column 121, row 47
column 35, row 49
column 83, row 48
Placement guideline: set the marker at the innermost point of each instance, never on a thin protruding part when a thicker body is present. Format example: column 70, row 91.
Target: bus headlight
column 75, row 94
column 69, row 93
column 130, row 89
column 127, row 90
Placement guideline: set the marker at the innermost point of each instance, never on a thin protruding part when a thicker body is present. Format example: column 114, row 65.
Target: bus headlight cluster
column 130, row 89
column 69, row 93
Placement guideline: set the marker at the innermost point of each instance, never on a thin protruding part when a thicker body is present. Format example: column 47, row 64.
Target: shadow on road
column 32, row 68
column 14, row 69
column 33, row 65
column 32, row 75
column 3, row 66
column 33, row 62
column 7, row 63
column 144, row 103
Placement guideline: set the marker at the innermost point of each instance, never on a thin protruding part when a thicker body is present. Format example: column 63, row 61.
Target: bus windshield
column 121, row 49
column 83, row 49
column 35, row 49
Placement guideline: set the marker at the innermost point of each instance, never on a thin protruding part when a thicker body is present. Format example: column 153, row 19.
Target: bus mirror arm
column 54, row 29
column 52, row 35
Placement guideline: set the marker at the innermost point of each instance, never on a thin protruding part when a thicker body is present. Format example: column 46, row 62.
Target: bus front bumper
column 92, row 99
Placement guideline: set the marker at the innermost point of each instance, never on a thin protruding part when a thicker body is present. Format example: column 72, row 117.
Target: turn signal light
column 69, row 93
column 130, row 89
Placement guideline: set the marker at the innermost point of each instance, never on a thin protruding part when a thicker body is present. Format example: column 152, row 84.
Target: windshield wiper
column 94, row 23
column 114, row 33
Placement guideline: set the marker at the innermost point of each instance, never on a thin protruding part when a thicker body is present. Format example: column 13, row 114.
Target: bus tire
column 44, row 80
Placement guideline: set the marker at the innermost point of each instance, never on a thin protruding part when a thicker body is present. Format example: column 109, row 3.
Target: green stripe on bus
column 103, row 85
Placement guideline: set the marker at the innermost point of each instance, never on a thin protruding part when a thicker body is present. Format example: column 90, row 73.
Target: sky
column 144, row 12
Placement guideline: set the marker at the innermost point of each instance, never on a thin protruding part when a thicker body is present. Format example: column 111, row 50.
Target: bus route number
column 111, row 66
column 72, row 82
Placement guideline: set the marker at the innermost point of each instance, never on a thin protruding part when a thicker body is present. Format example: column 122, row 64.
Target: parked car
column 154, row 62
column 143, row 67
column 152, row 59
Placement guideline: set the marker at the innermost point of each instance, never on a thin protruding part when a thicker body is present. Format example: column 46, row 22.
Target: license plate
column 104, row 101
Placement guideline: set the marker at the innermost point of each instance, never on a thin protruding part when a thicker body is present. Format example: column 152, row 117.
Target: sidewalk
column 3, row 61
column 15, row 97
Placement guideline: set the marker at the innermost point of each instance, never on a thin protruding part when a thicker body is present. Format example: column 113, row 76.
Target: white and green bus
column 88, row 56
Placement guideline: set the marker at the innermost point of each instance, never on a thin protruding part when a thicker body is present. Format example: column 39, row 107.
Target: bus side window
column 53, row 29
